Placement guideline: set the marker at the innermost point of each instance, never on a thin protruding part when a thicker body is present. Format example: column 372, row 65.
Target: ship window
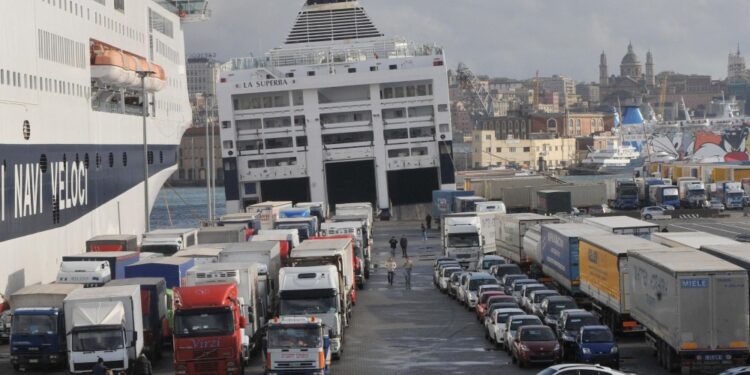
column 98, row 160
column 111, row 160
column 419, row 151
column 352, row 70
column 398, row 153
column 161, row 157
column 340, row 138
column 442, row 108
column 444, row 128
column 311, row 73
column 398, row 92
column 422, row 132
column 388, row 93
column 289, row 75
column 150, row 157
column 2, row 77
column 373, row 68
column 297, row 98
column 410, row 91
column 26, row 130
column 255, row 164
column 276, row 143
column 228, row 145
column 43, row 163
column 86, row 160
column 396, row 134
column 124, row 159
column 393, row 67
column 421, row 90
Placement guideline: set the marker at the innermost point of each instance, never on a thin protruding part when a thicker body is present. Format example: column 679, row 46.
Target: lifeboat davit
column 108, row 66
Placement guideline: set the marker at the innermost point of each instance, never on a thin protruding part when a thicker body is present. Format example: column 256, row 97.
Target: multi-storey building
column 202, row 77
column 338, row 113
column 541, row 150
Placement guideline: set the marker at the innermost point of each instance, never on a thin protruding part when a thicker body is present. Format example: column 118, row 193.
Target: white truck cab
column 169, row 241
column 462, row 238
column 89, row 273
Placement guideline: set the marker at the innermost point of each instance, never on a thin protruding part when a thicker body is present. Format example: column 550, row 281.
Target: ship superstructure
column 71, row 108
column 339, row 113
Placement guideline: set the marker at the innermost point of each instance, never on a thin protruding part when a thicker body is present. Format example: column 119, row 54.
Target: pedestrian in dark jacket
column 428, row 221
column 394, row 242
column 404, row 242
column 99, row 368
column 142, row 366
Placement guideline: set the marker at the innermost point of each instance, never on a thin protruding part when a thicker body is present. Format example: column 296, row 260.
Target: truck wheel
column 360, row 286
column 16, row 367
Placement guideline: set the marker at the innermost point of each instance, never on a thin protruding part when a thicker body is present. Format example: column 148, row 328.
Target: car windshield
column 520, row 285
column 502, row 305
column 463, row 240
column 294, row 337
column 510, row 269
column 555, row 308
column 34, row 324
column 98, row 340
column 597, row 335
column 530, row 289
column 486, row 264
column 211, row 322
column 575, row 323
column 450, row 271
column 508, row 280
column 538, row 297
column 475, row 283
column 502, row 317
column 522, row 322
column 537, row 334
column 308, row 306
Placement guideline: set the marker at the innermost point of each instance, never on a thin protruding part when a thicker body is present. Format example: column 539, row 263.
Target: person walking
column 390, row 265
column 143, row 366
column 407, row 269
column 404, row 242
column 393, row 241
column 428, row 221
column 424, row 233
column 99, row 368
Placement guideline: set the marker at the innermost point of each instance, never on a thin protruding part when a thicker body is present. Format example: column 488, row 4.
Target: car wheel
column 648, row 217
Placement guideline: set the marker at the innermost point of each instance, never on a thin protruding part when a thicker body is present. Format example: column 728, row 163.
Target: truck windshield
column 696, row 193
column 463, row 240
column 671, row 192
column 34, row 324
column 216, row 322
column 321, row 305
column 166, row 250
column 98, row 340
column 628, row 191
column 736, row 195
column 294, row 337
column 597, row 335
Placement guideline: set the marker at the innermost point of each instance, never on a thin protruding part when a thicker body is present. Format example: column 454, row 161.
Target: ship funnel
column 631, row 115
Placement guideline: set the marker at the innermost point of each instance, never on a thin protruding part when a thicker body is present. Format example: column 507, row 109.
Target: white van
column 89, row 273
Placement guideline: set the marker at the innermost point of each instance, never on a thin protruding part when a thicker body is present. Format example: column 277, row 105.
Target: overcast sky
column 513, row 38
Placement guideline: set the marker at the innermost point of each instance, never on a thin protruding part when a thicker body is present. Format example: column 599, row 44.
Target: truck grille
column 206, row 367
column 114, row 365
column 293, row 365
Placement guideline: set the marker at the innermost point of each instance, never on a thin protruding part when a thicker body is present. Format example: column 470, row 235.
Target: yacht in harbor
column 338, row 113
column 71, row 100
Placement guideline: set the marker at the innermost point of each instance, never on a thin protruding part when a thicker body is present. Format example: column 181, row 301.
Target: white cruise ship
column 71, row 140
column 338, row 113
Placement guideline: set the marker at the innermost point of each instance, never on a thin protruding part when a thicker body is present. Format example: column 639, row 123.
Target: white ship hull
column 57, row 186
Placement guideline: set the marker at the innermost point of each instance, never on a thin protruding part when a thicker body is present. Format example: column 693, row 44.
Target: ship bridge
column 188, row 10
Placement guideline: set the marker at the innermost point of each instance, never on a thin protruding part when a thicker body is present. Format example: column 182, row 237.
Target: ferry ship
column 71, row 106
column 339, row 113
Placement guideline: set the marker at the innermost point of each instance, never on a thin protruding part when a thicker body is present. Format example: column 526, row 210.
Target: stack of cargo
column 514, row 226
column 559, row 252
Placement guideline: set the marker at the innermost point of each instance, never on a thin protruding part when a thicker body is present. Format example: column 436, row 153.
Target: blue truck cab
column 626, row 195
column 38, row 338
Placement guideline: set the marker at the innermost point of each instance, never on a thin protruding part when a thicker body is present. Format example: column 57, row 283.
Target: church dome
column 630, row 58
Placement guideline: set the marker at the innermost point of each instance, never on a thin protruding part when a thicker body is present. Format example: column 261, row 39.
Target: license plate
column 33, row 361
column 713, row 357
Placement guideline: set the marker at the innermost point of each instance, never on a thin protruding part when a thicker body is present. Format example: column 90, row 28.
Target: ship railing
column 332, row 55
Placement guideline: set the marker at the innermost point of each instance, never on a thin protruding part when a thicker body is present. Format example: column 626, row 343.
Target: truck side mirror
column 243, row 323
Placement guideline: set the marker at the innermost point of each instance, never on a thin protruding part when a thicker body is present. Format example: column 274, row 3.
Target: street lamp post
column 144, row 103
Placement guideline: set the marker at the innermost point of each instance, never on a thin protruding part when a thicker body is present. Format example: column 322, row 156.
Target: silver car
column 444, row 280
column 535, row 299
column 526, row 291
column 497, row 326
column 470, row 292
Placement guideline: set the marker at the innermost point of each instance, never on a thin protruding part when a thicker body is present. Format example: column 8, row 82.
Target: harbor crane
column 479, row 100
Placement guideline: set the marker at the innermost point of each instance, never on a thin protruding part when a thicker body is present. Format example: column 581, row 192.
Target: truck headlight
column 614, row 349
column 586, row 351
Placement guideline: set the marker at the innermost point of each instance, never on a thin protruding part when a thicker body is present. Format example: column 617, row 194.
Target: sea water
column 184, row 207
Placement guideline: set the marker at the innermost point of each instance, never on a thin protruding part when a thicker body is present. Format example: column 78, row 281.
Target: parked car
column 494, row 307
column 475, row 281
column 489, row 288
column 444, row 280
column 526, row 291
column 507, row 269
column 439, row 269
column 488, row 260
column 551, row 307
column 507, row 281
column 569, row 327
column 715, row 204
column 517, row 287
column 462, row 285
column 535, row 344
column 497, row 325
column 482, row 304
column 578, row 368
column 455, row 283
column 648, row 213
column 535, row 300
column 516, row 322
column 745, row 237
column 596, row 344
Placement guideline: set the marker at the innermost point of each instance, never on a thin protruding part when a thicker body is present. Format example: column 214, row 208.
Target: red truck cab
column 208, row 330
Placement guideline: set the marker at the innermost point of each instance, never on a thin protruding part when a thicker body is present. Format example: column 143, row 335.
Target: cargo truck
column 467, row 204
column 560, row 254
column 153, row 311
column 265, row 253
column 461, row 238
column 514, row 226
column 644, row 189
column 668, row 195
column 605, row 277
column 623, row 225
column 532, row 247
column 291, row 236
column 692, row 192
column 622, row 194
column 284, row 248
column 356, row 229
column 245, row 276
column 337, row 252
column 694, row 306
column 268, row 212
column 202, row 254
column 117, row 260
column 227, row 233
column 730, row 193
column 251, row 221
column 90, row 274
column 103, row 323
column 169, row 241
column 355, row 212
column 296, row 345
column 443, row 202
column 550, row 202
column 306, row 226
column 172, row 269
column 358, row 261
column 315, row 291
column 490, row 206
column 37, row 336
column 208, row 330
column 113, row 242
column 367, row 242
column 319, row 209
column 693, row 240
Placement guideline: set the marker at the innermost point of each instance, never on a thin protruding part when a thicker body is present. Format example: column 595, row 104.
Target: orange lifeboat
column 108, row 66
column 131, row 66
column 160, row 77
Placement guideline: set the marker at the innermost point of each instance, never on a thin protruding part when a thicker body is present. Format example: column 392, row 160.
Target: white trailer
column 169, row 241
column 266, row 253
column 268, row 212
column 227, row 233
column 623, row 225
column 89, row 273
column 693, row 240
column 203, row 254
column 104, row 323
column 514, row 227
